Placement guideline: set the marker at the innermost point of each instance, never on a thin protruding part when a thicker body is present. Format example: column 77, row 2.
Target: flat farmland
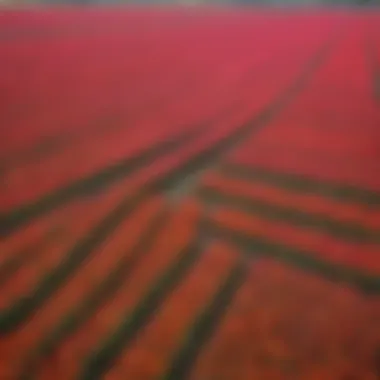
column 189, row 193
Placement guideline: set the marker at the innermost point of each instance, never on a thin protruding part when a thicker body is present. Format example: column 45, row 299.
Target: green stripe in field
column 257, row 246
column 205, row 325
column 105, row 355
column 351, row 231
column 304, row 184
column 100, row 294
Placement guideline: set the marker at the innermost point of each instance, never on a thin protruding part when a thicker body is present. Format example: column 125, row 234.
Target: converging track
column 189, row 194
